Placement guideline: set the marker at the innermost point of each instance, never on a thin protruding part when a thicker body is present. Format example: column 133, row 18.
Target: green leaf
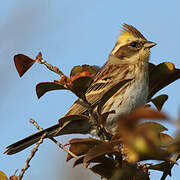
column 44, row 87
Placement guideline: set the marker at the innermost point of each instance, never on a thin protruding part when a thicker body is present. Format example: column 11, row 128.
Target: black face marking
column 133, row 44
column 129, row 49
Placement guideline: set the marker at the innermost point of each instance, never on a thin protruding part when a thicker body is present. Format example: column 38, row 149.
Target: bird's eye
column 133, row 44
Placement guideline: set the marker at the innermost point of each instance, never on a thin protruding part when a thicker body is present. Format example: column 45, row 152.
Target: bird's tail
column 80, row 127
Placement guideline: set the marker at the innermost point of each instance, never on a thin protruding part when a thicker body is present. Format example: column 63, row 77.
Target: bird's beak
column 149, row 44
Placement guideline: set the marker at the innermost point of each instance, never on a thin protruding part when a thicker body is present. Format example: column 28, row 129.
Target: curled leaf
column 164, row 167
column 101, row 150
column 77, row 161
column 105, row 170
column 130, row 121
column 159, row 101
column 22, row 63
column 81, row 146
column 44, row 87
column 84, row 68
column 166, row 139
column 161, row 76
column 80, row 85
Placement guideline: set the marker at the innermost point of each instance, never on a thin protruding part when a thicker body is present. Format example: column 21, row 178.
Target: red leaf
column 105, row 170
column 78, row 161
column 102, row 149
column 81, row 146
column 44, row 87
column 23, row 63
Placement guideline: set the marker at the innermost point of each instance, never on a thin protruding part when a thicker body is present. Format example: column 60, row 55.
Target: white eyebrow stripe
column 116, row 48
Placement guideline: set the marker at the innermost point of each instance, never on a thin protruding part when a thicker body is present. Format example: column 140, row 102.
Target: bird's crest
column 128, row 32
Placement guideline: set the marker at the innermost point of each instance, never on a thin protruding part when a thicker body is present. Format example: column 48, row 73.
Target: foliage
column 122, row 155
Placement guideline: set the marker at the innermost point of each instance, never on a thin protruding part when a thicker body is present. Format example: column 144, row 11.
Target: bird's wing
column 108, row 77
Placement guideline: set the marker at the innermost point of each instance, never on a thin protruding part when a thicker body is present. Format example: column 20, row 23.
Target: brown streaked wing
column 108, row 77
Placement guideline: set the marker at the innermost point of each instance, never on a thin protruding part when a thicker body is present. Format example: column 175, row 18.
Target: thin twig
column 55, row 69
column 52, row 139
column 62, row 147
column 102, row 133
column 31, row 156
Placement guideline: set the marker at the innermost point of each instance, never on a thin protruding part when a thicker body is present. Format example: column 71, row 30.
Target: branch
column 62, row 147
column 102, row 133
column 55, row 69
column 31, row 156
column 52, row 139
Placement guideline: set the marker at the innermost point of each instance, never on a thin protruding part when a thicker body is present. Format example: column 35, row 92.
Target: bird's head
column 131, row 46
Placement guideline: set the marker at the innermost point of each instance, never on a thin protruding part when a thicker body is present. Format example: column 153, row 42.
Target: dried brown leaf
column 130, row 121
column 84, row 68
column 102, row 149
column 162, row 75
column 105, row 170
column 78, row 161
column 23, row 63
column 44, row 87
column 159, row 101
column 80, row 85
column 81, row 146
column 164, row 167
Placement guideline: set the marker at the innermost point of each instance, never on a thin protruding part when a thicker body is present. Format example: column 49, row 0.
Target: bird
column 128, row 60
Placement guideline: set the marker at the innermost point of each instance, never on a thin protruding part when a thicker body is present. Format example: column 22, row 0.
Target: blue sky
column 68, row 33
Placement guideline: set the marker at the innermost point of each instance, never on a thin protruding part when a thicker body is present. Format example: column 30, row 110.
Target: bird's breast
column 130, row 96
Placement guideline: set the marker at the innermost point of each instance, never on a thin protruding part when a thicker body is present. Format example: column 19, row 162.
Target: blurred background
column 68, row 33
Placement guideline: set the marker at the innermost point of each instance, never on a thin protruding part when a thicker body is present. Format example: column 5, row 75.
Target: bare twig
column 55, row 69
column 102, row 133
column 62, row 147
column 31, row 156
column 54, row 140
